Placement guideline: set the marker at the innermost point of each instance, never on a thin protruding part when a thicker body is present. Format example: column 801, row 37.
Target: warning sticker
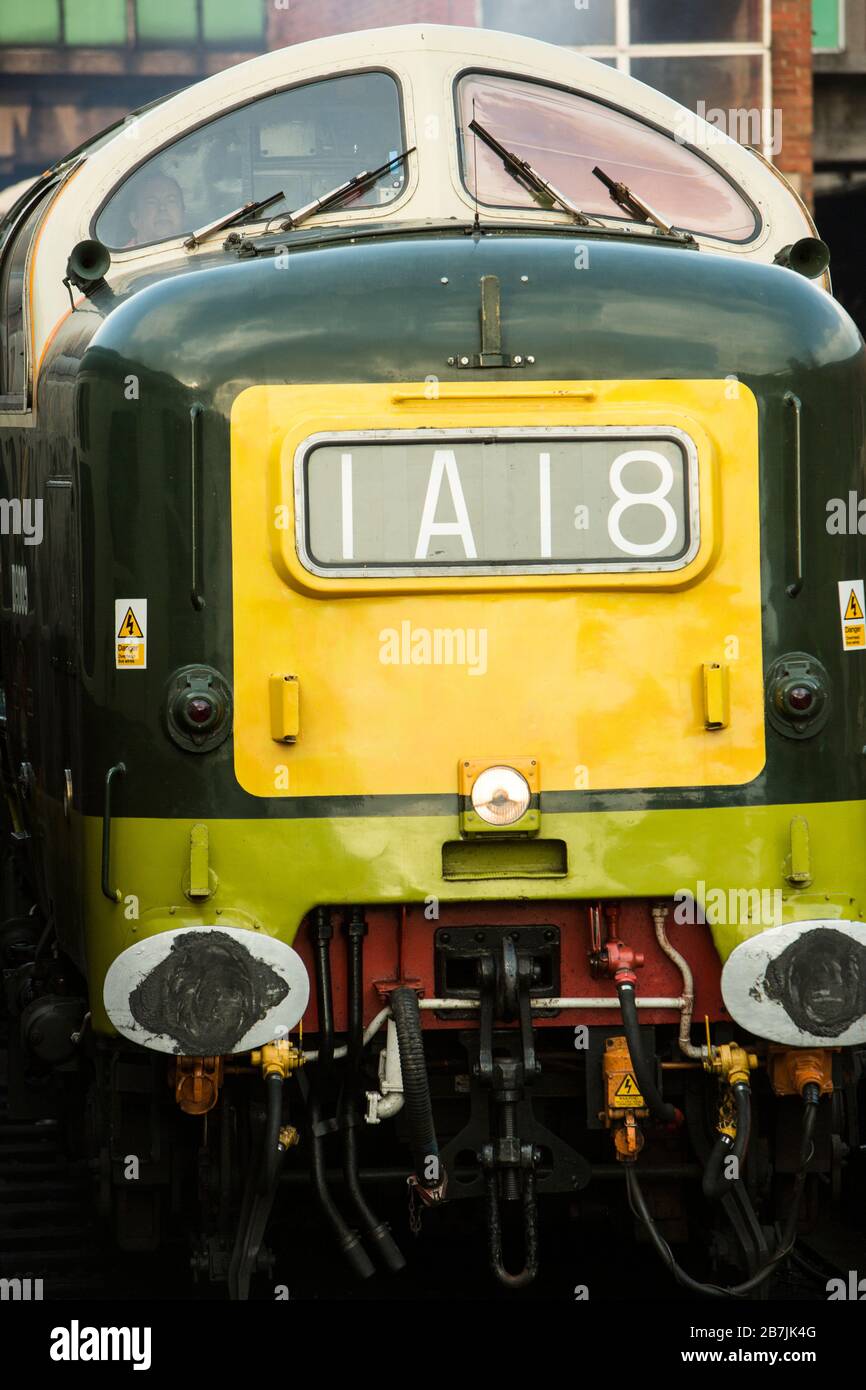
column 627, row 1094
column 852, row 610
column 130, row 634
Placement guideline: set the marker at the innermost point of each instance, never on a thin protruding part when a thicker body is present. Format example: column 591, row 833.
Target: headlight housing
column 500, row 795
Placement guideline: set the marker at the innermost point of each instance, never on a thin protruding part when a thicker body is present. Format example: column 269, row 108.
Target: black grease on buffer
column 207, row 993
column 820, row 980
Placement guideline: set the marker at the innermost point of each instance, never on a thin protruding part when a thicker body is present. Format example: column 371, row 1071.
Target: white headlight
column 500, row 795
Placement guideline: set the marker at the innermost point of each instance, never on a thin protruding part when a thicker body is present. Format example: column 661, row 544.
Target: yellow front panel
column 598, row 676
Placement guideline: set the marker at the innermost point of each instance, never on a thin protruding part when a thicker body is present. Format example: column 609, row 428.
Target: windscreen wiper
column 242, row 214
column 524, row 173
column 635, row 206
column 357, row 184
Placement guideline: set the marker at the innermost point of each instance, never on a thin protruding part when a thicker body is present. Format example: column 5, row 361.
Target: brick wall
column 792, row 90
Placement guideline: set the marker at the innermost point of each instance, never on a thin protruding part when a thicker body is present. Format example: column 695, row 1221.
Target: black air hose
column 273, row 1152
column 715, row 1183
column 659, row 1108
column 322, row 933
column 811, row 1097
column 347, row 1239
column 379, row 1232
column 416, row 1087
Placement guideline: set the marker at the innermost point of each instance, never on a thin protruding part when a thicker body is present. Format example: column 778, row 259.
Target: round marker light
column 801, row 698
column 500, row 795
column 200, row 710
column 798, row 695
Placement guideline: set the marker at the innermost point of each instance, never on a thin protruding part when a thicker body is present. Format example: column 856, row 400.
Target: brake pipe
column 715, row 1181
column 637, row 1201
column 660, row 1109
column 687, row 1047
column 555, row 1005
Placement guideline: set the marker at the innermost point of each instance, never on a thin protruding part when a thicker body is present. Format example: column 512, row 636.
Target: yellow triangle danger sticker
column 628, row 1089
column 853, row 613
column 130, row 626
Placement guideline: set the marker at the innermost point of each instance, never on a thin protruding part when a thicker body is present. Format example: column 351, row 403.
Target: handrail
column 113, row 894
column 792, row 590
column 439, row 391
column 195, row 417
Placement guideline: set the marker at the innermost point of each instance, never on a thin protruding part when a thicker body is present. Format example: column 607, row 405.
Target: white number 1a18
column 656, row 498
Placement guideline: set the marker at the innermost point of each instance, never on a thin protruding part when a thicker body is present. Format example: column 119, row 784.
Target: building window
column 713, row 58
column 94, row 23
column 828, row 26
column 234, row 23
column 682, row 21
column 163, row 23
column 166, row 22
column 37, row 22
column 555, row 21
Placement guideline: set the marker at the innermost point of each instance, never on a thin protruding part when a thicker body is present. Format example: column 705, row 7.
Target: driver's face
column 157, row 210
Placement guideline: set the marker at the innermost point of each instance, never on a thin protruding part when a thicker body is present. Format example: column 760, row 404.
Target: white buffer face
column 803, row 984
column 204, row 991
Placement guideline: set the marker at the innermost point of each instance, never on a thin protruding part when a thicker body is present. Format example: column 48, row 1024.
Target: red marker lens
column 800, row 698
column 199, row 709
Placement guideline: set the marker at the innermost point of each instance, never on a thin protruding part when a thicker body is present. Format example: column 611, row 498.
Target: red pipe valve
column 619, row 962
column 613, row 960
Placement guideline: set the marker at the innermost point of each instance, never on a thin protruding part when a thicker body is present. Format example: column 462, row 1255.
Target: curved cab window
column 14, row 366
column 301, row 142
column 565, row 135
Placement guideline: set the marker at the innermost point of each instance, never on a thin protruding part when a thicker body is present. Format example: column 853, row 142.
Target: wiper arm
column 525, row 173
column 635, row 206
column 242, row 214
column 357, row 184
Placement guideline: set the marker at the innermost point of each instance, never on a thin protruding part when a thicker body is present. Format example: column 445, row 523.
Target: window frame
column 612, row 106
column 622, row 50
column 408, row 188
column 39, row 197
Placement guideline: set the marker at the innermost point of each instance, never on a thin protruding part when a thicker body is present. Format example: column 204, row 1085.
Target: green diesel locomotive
column 432, row 646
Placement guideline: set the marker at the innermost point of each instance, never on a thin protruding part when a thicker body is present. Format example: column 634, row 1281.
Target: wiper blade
column 635, row 206
column 525, row 173
column 242, row 214
column 357, row 184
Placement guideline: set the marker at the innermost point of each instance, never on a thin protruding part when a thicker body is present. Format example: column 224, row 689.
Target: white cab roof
column 426, row 59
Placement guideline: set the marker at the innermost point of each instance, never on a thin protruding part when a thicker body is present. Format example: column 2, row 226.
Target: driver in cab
column 156, row 210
